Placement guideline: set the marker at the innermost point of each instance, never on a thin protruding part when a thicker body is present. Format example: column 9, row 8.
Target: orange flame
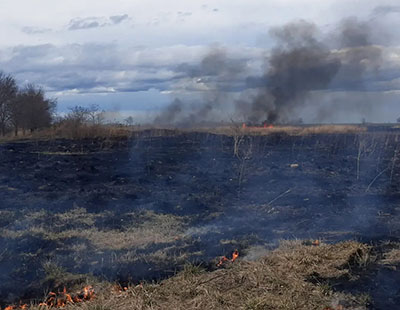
column 20, row 307
column 224, row 259
column 235, row 255
column 315, row 242
column 61, row 299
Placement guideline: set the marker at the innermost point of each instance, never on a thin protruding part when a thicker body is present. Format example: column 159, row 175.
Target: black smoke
column 298, row 64
column 213, row 79
column 303, row 61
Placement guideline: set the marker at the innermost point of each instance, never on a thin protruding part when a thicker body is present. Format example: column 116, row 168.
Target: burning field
column 206, row 214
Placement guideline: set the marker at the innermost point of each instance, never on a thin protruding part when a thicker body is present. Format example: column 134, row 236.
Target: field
column 144, row 207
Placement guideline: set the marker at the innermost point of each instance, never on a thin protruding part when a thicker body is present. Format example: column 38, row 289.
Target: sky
column 129, row 56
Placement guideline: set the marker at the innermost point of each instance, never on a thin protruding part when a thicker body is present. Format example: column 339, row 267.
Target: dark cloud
column 96, row 22
column 85, row 23
column 383, row 10
column 85, row 68
column 117, row 19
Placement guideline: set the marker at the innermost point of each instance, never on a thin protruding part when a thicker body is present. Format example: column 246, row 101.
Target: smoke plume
column 214, row 78
column 303, row 61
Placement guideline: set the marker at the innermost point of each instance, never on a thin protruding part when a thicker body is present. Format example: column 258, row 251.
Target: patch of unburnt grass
column 146, row 227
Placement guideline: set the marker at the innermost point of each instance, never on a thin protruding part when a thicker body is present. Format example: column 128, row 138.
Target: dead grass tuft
column 392, row 257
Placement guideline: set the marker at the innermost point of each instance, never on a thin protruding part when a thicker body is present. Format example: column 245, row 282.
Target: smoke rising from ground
column 299, row 64
column 302, row 61
column 214, row 78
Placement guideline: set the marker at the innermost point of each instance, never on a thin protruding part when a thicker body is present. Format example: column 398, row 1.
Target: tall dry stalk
column 238, row 137
column 393, row 163
column 244, row 156
column 358, row 161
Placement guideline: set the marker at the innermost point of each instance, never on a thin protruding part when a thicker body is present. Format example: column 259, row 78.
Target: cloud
column 35, row 30
column 117, row 19
column 91, row 68
column 383, row 10
column 199, row 73
column 178, row 68
column 96, row 22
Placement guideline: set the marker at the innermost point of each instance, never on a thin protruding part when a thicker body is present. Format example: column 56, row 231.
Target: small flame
column 315, row 242
column 235, row 255
column 224, row 259
column 20, row 307
column 61, row 299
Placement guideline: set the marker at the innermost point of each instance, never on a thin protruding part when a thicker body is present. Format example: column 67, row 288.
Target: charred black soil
column 129, row 209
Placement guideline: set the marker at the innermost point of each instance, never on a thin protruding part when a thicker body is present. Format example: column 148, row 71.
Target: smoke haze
column 302, row 62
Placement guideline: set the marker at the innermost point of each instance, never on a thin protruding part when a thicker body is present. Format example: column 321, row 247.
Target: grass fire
column 166, row 216
column 187, row 155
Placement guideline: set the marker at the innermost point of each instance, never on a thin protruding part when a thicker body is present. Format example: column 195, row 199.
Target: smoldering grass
column 279, row 280
column 56, row 276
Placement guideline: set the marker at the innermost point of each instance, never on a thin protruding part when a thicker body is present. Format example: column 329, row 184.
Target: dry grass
column 392, row 257
column 73, row 132
column 278, row 281
column 118, row 131
column 152, row 228
column 292, row 130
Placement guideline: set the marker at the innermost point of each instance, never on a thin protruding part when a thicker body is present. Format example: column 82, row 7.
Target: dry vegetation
column 70, row 130
column 78, row 223
column 391, row 258
column 292, row 130
column 294, row 276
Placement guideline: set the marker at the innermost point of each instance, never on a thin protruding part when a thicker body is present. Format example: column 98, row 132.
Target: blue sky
column 127, row 55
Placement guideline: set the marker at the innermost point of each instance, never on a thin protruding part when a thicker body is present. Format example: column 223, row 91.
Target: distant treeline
column 27, row 108
column 24, row 108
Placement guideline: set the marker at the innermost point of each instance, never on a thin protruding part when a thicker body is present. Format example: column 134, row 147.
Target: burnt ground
column 137, row 208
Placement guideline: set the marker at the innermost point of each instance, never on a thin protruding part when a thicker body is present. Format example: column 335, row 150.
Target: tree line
column 25, row 108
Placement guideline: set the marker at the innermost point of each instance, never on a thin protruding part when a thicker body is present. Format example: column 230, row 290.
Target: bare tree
column 95, row 115
column 83, row 115
column 129, row 120
column 8, row 92
column 78, row 115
